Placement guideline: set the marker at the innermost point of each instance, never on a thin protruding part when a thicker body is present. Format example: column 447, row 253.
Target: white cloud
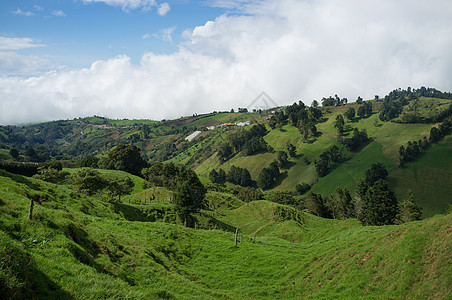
column 17, row 43
column 128, row 4
column 19, row 12
column 58, row 13
column 14, row 64
column 293, row 50
column 146, row 36
column 38, row 8
column 167, row 34
column 163, row 9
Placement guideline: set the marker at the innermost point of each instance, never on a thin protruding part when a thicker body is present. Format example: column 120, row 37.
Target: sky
column 64, row 59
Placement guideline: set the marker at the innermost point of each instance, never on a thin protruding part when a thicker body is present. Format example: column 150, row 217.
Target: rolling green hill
column 164, row 141
column 80, row 247
column 96, row 245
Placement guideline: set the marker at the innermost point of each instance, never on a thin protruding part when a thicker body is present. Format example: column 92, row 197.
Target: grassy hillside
column 426, row 178
column 77, row 247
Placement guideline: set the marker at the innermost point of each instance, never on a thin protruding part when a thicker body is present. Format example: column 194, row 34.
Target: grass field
column 429, row 177
column 349, row 173
column 81, row 248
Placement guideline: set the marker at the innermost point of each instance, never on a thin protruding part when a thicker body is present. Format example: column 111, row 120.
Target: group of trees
column 358, row 139
column 90, row 181
column 334, row 101
column 298, row 115
column 365, row 109
column 302, row 188
column 249, row 141
column 374, row 202
column 235, row 175
column 51, row 171
column 394, row 102
column 445, row 128
column 124, row 158
column 267, row 177
column 326, row 159
column 412, row 150
column 248, row 193
column 239, row 176
column 21, row 168
column 217, row 177
column 188, row 190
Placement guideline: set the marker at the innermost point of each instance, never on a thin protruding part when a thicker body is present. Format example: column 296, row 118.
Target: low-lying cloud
column 292, row 50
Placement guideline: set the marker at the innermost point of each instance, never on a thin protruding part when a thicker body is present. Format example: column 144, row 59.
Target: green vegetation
column 80, row 247
column 131, row 209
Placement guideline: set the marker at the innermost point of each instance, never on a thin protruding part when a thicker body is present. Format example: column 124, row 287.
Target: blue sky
column 64, row 59
column 76, row 33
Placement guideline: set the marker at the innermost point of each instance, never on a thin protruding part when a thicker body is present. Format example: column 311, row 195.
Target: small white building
column 192, row 136
column 242, row 124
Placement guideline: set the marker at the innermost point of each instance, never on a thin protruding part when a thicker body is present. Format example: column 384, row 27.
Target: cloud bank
column 292, row 50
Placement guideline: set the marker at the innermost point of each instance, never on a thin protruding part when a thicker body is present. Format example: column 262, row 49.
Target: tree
column 125, row 158
column 292, row 150
column 90, row 162
column 14, row 153
column 225, row 151
column 51, row 174
column 117, row 187
column 315, row 204
column 340, row 204
column 283, row 159
column 154, row 174
column 434, row 135
column 359, row 139
column 408, row 210
column 315, row 104
column 335, row 154
column 191, row 178
column 359, row 100
column 221, row 176
column 213, row 175
column 31, row 155
column 265, row 179
column 361, row 111
column 339, row 123
column 379, row 205
column 186, row 202
column 255, row 145
column 217, row 177
column 302, row 188
column 365, row 109
column 376, row 172
column 240, row 176
column 88, row 180
column 248, row 194
column 350, row 113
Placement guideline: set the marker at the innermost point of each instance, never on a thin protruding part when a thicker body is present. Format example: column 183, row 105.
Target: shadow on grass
column 20, row 179
column 131, row 213
column 213, row 223
column 289, row 165
column 25, row 279
column 282, row 176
